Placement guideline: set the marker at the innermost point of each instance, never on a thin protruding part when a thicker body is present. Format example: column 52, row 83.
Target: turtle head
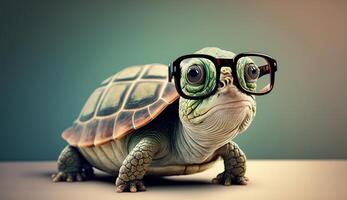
column 220, row 116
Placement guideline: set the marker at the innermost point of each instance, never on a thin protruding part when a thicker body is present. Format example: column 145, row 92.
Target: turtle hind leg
column 72, row 166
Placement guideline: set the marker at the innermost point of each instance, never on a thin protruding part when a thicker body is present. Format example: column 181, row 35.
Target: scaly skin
column 234, row 166
column 135, row 165
column 72, row 166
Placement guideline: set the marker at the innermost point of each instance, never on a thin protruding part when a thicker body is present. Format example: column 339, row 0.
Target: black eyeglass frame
column 175, row 71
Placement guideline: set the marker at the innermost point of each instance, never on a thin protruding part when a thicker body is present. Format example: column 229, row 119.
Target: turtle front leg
column 234, row 166
column 135, row 165
column 72, row 166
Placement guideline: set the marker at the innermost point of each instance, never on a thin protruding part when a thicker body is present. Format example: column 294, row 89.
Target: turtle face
column 226, row 113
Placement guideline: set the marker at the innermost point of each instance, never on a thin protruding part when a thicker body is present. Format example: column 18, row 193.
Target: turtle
column 136, row 123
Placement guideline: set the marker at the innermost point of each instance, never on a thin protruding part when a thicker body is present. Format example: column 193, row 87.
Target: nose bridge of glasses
column 225, row 62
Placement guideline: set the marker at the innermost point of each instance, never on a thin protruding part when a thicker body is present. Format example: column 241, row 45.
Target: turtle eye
column 251, row 72
column 195, row 74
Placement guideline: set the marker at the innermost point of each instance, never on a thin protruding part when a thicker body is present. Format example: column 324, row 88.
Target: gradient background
column 54, row 54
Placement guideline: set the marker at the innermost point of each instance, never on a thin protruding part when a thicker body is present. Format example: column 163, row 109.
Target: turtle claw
column 229, row 179
column 241, row 180
column 58, row 177
column 70, row 177
column 131, row 186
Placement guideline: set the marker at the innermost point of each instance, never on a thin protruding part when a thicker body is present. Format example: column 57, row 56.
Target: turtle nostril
column 225, row 78
column 220, row 84
column 224, row 82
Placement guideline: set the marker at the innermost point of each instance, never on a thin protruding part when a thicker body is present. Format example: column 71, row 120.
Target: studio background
column 54, row 54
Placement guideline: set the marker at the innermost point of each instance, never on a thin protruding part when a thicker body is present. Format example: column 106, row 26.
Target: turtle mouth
column 229, row 105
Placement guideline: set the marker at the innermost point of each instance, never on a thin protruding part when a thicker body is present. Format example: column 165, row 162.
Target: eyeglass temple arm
column 264, row 69
column 170, row 72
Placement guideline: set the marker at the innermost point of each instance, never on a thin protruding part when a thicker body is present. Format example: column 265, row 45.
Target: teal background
column 53, row 54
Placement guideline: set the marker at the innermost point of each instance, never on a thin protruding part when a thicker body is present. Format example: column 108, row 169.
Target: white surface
column 269, row 179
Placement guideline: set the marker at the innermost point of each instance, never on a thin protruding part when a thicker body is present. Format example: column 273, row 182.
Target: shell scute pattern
column 90, row 106
column 143, row 94
column 113, row 99
column 126, row 101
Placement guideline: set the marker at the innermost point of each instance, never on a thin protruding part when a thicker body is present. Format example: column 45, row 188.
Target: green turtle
column 135, row 123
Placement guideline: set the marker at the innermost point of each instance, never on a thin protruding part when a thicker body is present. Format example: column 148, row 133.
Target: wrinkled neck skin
column 197, row 143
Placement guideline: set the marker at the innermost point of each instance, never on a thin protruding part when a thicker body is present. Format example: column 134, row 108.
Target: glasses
column 197, row 76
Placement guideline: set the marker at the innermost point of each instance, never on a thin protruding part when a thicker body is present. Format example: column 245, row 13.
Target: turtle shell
column 124, row 102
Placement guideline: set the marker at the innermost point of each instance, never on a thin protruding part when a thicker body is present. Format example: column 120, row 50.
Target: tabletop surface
column 269, row 179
